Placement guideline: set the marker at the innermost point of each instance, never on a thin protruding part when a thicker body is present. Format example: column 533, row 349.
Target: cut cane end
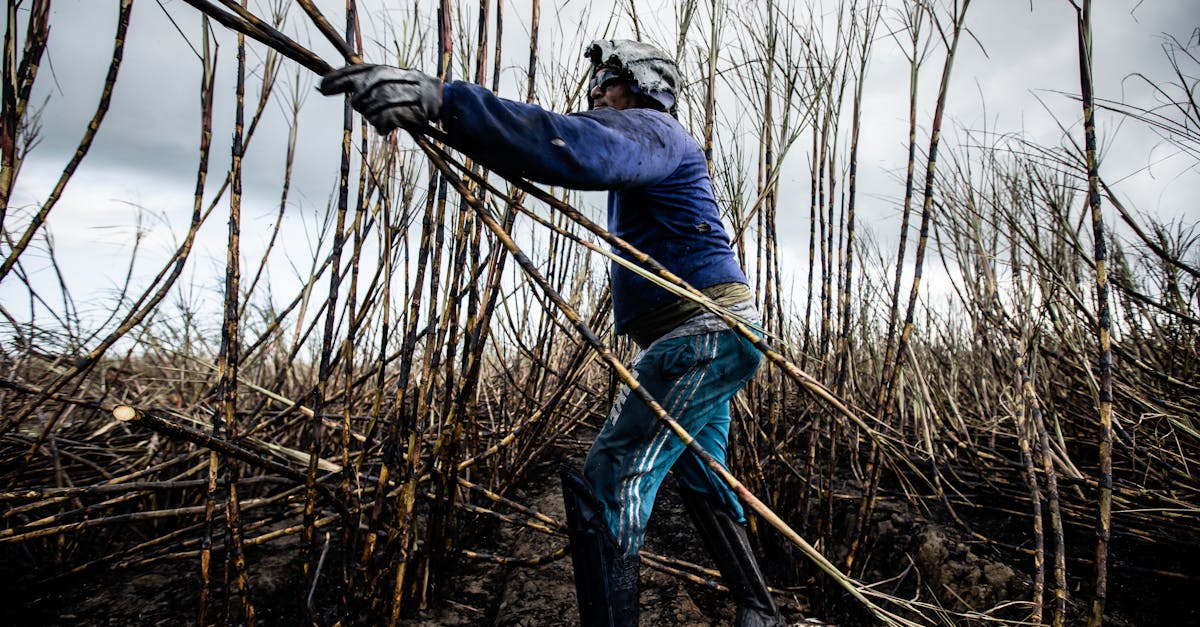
column 125, row 413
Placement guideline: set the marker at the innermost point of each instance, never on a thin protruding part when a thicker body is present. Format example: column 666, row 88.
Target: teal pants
column 693, row 378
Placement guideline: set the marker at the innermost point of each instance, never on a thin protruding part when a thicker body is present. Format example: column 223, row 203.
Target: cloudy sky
column 1015, row 74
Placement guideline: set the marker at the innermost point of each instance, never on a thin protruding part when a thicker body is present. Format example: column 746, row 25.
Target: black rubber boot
column 606, row 580
column 727, row 542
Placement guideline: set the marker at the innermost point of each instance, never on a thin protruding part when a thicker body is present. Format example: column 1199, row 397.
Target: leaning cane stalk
column 246, row 23
column 331, row 35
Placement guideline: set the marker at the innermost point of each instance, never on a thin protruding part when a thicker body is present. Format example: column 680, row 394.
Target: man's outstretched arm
column 595, row 150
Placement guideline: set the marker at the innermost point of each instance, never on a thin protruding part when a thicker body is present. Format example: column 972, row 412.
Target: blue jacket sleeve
column 604, row 149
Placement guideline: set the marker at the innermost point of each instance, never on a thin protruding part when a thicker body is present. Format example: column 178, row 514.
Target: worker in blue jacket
column 661, row 201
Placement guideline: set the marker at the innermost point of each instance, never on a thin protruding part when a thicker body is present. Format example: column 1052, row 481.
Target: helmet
column 649, row 70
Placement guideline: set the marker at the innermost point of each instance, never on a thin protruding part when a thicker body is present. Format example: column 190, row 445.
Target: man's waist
column 650, row 326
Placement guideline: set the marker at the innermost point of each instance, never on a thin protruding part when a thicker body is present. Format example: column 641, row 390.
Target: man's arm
column 606, row 149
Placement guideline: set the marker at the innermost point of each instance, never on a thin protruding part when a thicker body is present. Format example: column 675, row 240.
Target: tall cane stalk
column 1103, row 331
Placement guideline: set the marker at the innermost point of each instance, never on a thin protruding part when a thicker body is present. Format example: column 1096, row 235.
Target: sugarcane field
column 695, row 312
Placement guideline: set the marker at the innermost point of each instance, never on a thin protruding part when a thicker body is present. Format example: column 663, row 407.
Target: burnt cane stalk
column 317, row 437
column 18, row 83
column 85, row 143
column 1103, row 332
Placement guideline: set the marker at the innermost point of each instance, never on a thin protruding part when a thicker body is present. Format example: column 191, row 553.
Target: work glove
column 389, row 97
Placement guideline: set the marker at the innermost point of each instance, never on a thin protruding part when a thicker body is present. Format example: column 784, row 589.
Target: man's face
column 611, row 91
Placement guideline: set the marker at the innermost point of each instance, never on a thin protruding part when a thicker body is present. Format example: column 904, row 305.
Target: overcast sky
column 1008, row 79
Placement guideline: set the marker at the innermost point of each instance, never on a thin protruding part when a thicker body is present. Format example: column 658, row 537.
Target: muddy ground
column 485, row 593
column 911, row 552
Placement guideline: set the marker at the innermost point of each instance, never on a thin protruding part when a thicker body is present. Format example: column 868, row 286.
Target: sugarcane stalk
column 1024, row 431
column 958, row 19
column 867, row 507
column 331, row 35
column 8, row 117
column 18, row 84
column 506, row 518
column 349, row 478
column 806, row 346
column 224, row 424
column 1054, row 502
column 710, row 86
column 82, row 511
column 1103, row 332
column 914, row 20
column 317, row 433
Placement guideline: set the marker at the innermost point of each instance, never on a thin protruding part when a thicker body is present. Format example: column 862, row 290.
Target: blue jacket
column 660, row 196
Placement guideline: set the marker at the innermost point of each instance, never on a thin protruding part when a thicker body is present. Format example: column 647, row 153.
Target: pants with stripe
column 693, row 378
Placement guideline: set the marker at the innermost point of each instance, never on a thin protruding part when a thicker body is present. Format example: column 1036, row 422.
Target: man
column 661, row 201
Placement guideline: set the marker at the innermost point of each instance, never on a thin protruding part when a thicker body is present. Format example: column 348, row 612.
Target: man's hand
column 389, row 97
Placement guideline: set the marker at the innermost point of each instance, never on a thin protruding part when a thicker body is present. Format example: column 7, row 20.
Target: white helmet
column 649, row 70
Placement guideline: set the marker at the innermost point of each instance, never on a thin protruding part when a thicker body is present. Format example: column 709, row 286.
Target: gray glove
column 387, row 96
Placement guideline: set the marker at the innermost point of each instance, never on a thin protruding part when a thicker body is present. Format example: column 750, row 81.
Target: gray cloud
column 146, row 152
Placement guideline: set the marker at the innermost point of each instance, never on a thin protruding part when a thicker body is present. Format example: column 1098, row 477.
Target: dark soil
column 913, row 554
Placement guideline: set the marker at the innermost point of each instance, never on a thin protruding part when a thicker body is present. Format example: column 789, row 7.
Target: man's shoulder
column 644, row 122
column 636, row 116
